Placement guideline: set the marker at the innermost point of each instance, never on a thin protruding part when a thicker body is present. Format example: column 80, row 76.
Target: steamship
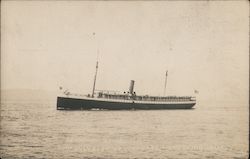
column 112, row 100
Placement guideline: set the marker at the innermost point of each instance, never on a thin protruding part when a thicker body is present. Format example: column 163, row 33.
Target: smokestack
column 131, row 87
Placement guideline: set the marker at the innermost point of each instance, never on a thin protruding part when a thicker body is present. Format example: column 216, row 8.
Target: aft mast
column 165, row 83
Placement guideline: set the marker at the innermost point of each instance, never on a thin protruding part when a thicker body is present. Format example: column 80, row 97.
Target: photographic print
column 124, row 79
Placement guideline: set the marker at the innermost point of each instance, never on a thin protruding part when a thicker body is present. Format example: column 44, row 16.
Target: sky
column 202, row 44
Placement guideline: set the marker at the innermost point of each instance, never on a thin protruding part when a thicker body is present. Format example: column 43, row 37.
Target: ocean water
column 38, row 130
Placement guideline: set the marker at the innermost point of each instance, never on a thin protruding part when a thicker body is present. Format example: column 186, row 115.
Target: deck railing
column 145, row 98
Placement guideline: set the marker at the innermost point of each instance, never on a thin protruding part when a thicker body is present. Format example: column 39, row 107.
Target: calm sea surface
column 38, row 130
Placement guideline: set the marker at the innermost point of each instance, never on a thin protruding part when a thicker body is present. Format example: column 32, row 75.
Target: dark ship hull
column 67, row 103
